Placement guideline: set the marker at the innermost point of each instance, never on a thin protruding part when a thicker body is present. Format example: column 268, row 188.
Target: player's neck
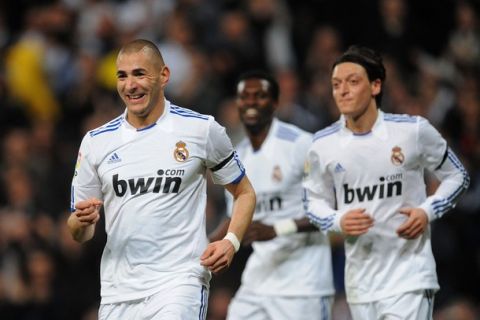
column 257, row 138
column 363, row 123
column 143, row 121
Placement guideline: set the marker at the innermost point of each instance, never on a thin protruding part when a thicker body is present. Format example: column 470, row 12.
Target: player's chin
column 140, row 111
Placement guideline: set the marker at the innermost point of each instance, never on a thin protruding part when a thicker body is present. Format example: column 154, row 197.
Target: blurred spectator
column 289, row 105
column 272, row 23
column 464, row 40
column 460, row 309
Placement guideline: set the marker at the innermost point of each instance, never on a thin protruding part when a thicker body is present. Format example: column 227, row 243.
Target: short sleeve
column 85, row 183
column 221, row 158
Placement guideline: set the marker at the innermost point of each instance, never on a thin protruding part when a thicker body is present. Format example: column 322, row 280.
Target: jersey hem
column 372, row 297
column 322, row 293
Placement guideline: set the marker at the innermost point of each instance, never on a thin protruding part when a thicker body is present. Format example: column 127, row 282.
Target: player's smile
column 251, row 114
column 135, row 98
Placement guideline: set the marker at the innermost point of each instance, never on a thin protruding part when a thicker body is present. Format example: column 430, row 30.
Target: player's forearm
column 322, row 215
column 243, row 208
column 304, row 225
column 79, row 232
column 454, row 182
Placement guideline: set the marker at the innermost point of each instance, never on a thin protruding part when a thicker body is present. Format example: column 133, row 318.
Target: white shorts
column 179, row 303
column 248, row 306
column 416, row 305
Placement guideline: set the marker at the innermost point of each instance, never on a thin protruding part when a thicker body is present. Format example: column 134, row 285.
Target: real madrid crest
column 397, row 157
column 277, row 174
column 180, row 153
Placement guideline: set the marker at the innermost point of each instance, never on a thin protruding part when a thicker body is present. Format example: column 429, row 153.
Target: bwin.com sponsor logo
column 389, row 186
column 166, row 181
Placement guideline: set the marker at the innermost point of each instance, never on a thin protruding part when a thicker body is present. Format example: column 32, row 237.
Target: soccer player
column 147, row 167
column 289, row 273
column 365, row 178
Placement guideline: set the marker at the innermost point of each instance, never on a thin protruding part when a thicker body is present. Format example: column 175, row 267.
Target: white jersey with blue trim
column 383, row 171
column 297, row 264
column 153, row 184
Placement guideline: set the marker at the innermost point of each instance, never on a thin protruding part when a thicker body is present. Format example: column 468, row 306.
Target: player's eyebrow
column 134, row 71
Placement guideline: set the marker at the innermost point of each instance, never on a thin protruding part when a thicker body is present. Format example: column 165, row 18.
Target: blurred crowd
column 57, row 81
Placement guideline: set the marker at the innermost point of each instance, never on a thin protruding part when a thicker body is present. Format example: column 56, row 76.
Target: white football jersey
column 382, row 171
column 153, row 184
column 295, row 264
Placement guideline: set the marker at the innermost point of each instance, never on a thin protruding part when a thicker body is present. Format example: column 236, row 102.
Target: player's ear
column 164, row 76
column 376, row 86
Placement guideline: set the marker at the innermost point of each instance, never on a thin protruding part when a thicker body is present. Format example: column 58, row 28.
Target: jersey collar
column 166, row 111
column 379, row 129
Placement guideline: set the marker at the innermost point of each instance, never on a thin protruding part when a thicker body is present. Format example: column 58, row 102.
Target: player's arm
column 259, row 231
column 439, row 159
column 319, row 202
column 219, row 254
column 85, row 185
column 82, row 221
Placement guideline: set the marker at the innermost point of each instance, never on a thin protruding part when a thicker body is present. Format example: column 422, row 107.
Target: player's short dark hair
column 138, row 44
column 370, row 60
column 260, row 74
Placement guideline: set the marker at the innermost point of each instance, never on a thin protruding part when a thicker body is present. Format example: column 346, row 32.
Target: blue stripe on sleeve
column 442, row 206
column 72, row 199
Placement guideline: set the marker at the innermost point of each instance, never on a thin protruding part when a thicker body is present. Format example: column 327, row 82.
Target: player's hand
column 356, row 222
column 258, row 231
column 218, row 256
column 415, row 225
column 88, row 211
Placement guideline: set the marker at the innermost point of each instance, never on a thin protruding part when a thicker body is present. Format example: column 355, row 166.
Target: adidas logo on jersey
column 389, row 186
column 114, row 158
column 339, row 168
column 166, row 181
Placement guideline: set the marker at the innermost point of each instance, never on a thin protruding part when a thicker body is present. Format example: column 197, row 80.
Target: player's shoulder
column 289, row 132
column 188, row 115
column 108, row 128
column 393, row 118
column 328, row 132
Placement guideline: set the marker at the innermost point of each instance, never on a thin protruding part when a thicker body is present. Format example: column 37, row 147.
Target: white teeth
column 136, row 96
column 251, row 112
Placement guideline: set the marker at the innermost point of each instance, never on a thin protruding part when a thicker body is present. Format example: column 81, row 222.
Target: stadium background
column 57, row 80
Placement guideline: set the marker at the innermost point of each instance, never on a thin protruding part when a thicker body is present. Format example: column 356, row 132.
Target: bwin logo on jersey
column 389, row 186
column 167, row 181
column 268, row 203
